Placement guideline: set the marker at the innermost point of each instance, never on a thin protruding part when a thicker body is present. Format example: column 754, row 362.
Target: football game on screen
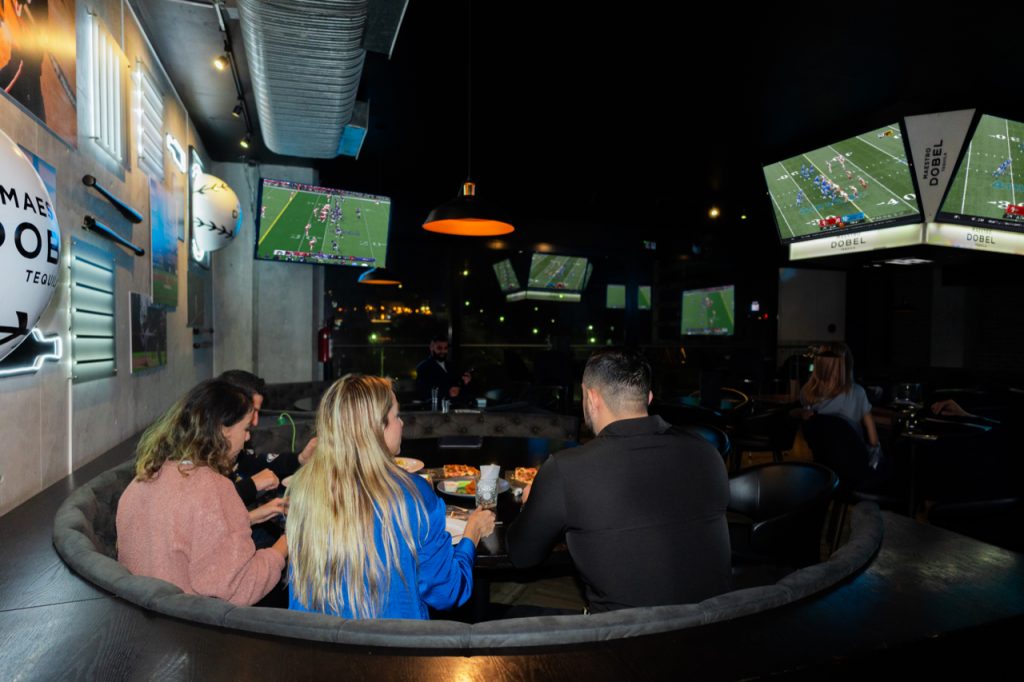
column 310, row 224
column 858, row 183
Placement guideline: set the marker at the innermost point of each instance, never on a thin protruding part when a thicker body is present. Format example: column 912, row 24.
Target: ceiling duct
column 306, row 59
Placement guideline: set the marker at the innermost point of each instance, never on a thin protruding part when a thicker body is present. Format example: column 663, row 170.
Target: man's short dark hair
column 437, row 338
column 247, row 381
column 622, row 377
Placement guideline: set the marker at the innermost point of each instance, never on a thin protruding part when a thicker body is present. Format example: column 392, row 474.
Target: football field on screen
column 344, row 230
column 875, row 177
column 705, row 310
column 979, row 188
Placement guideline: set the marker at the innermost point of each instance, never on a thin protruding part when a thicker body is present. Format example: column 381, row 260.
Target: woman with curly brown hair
column 180, row 520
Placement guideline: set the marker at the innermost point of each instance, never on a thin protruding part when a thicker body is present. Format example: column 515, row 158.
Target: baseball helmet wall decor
column 29, row 246
column 216, row 213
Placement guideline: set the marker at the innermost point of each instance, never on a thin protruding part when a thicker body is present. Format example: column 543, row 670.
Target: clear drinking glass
column 487, row 494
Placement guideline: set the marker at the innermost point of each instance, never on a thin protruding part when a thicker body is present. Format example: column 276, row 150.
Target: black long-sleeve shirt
column 642, row 509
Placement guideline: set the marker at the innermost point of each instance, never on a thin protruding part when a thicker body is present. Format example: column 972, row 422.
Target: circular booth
column 85, row 537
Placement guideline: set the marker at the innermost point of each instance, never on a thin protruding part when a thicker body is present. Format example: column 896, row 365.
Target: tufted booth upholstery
column 490, row 424
column 84, row 536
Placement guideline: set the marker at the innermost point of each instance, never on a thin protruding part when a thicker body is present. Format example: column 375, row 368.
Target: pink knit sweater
column 191, row 529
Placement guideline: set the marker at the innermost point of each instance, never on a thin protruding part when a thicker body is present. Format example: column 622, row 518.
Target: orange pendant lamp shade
column 466, row 215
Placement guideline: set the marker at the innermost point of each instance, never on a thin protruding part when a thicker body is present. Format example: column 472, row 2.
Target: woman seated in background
column 832, row 391
column 181, row 520
column 368, row 540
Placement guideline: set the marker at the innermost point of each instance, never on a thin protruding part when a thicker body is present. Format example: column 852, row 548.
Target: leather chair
column 781, row 510
column 839, row 445
column 714, row 435
column 771, row 428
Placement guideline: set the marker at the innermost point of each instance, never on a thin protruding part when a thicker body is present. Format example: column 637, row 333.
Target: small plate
column 503, row 486
column 409, row 464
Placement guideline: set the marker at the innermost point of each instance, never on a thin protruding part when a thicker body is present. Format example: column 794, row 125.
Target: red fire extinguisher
column 324, row 344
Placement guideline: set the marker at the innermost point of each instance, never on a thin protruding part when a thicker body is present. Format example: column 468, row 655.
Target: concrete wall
column 41, row 442
column 265, row 314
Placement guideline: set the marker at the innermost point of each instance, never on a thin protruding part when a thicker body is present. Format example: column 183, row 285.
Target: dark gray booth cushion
column 84, row 536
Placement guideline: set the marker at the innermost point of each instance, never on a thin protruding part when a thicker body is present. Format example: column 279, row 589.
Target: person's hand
column 480, row 524
column 265, row 480
column 806, row 414
column 949, row 408
column 308, row 451
column 526, row 491
column 265, row 512
column 453, row 392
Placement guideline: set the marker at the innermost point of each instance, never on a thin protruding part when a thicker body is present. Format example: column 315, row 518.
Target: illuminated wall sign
column 29, row 357
column 177, row 153
column 974, row 238
column 216, row 213
column 29, row 247
column 858, row 242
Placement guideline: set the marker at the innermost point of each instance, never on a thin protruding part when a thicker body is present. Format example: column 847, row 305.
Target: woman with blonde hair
column 832, row 391
column 180, row 519
column 368, row 540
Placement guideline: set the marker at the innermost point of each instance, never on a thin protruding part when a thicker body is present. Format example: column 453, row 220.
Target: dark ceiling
column 594, row 124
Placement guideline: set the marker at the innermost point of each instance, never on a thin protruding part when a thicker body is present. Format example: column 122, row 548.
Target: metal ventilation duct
column 306, row 58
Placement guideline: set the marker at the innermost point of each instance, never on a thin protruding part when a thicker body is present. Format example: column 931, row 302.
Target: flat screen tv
column 987, row 189
column 560, row 273
column 506, row 275
column 615, row 296
column 301, row 223
column 709, row 312
column 643, row 297
column 860, row 183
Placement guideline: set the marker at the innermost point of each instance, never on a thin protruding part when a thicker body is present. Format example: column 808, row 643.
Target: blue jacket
column 440, row 577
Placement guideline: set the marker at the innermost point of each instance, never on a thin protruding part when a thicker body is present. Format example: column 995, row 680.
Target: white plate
column 503, row 486
column 409, row 464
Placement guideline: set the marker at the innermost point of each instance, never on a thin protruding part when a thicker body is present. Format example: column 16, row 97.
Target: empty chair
column 840, row 446
column 783, row 508
column 712, row 434
column 772, row 429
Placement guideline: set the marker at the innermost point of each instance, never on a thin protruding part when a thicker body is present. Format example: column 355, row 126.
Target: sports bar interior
column 651, row 163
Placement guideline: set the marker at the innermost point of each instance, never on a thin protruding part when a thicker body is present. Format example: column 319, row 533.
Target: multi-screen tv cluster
column 949, row 179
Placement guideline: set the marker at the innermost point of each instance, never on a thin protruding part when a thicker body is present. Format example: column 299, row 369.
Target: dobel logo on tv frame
column 29, row 247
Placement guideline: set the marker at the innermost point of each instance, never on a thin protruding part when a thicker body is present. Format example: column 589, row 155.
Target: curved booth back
column 84, row 536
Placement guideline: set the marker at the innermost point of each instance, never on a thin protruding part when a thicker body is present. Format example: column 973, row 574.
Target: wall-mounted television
column 709, row 312
column 853, row 185
column 560, row 273
column 615, row 296
column 300, row 223
column 987, row 189
column 643, row 297
column 506, row 275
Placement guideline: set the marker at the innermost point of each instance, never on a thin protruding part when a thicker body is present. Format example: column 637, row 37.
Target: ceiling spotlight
column 237, row 111
column 246, row 141
column 220, row 62
column 714, row 212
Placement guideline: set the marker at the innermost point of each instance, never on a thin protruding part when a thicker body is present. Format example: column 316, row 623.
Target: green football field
column 328, row 227
column 709, row 312
column 557, row 272
column 870, row 168
column 979, row 188
column 643, row 297
column 506, row 275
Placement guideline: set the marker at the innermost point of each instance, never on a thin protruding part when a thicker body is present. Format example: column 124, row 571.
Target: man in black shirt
column 641, row 507
column 435, row 372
